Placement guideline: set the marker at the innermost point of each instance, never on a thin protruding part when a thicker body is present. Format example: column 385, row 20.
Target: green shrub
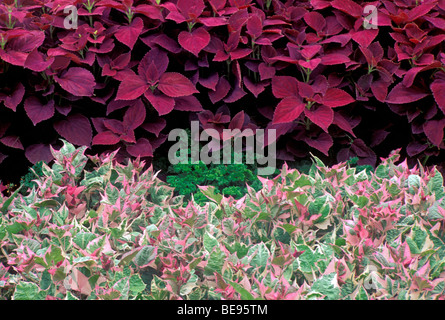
column 35, row 172
column 228, row 179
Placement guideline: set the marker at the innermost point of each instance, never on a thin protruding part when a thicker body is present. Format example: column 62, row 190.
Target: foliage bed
column 117, row 232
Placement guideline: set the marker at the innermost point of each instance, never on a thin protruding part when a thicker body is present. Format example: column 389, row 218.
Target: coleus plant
column 92, row 228
column 313, row 70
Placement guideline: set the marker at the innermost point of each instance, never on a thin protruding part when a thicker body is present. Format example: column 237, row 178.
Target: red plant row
column 324, row 74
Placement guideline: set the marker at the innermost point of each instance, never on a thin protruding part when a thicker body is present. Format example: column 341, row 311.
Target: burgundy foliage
column 133, row 70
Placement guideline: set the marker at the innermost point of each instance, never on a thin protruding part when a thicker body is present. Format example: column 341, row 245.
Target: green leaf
column 209, row 242
column 382, row 171
column 83, row 238
column 303, row 181
column 26, row 291
column 209, row 192
column 123, row 286
column 53, row 255
column 46, row 280
column 281, row 235
column 136, row 284
column 216, row 262
column 260, row 255
column 9, row 200
column 361, row 294
column 146, row 255
column 112, row 194
column 327, row 285
column 436, row 184
column 245, row 294
column 413, row 182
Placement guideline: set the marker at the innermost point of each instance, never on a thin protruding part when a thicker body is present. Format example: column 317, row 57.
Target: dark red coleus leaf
column 77, row 81
column 210, row 82
column 322, row 143
column 254, row 88
column 37, row 111
column 12, row 141
column 434, row 131
column 322, row 116
column 142, row 148
column 414, row 148
column 189, row 103
column 236, row 94
column 284, row 86
column 135, row 115
column 348, row 6
column 13, row 100
column 155, row 127
column 174, row 84
column 266, row 72
column 37, row 61
column 132, row 87
column 335, row 97
column 38, row 152
column 128, row 35
column 161, row 102
column 194, row 41
column 106, row 138
column 237, row 121
column 288, row 110
column 76, row 129
column 222, row 89
column 343, row 123
column 438, row 89
column 401, row 94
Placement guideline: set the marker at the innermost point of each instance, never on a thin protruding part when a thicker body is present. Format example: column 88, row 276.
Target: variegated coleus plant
column 97, row 229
